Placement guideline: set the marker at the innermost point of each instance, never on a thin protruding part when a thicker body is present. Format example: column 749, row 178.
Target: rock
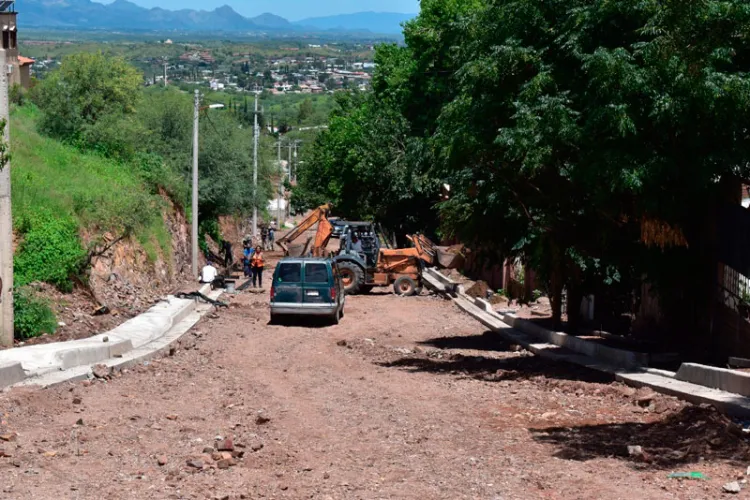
column 216, row 456
column 645, row 399
column 195, row 463
column 747, row 472
column 11, row 436
column 5, row 454
column 105, row 339
column 50, row 454
column 733, row 487
column 262, row 419
column 79, row 421
column 101, row 371
column 341, row 343
column 259, row 446
column 172, row 417
column 225, row 455
column 162, row 460
column 238, row 454
column 77, row 401
column 226, row 463
column 635, row 451
column 283, row 487
column 225, row 445
column 326, row 475
column 208, row 450
column 86, row 383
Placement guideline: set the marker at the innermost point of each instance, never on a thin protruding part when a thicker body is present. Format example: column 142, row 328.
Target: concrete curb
column 716, row 378
column 40, row 360
column 659, row 380
column 11, row 373
column 154, row 349
column 618, row 357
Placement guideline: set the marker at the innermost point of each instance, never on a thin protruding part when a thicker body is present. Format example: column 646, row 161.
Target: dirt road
column 406, row 398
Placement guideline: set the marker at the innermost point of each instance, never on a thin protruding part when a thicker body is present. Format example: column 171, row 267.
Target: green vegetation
column 32, row 315
column 564, row 130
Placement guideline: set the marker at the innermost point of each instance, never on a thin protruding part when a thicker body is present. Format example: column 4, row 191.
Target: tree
column 305, row 111
column 86, row 87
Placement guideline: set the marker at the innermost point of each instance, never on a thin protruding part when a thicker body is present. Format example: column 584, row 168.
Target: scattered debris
column 162, row 460
column 101, row 371
column 11, row 436
column 733, row 487
column 225, row 445
column 195, row 463
column 262, row 419
column 635, row 451
column 687, row 475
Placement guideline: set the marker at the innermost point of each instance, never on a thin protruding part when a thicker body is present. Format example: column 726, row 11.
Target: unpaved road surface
column 406, row 398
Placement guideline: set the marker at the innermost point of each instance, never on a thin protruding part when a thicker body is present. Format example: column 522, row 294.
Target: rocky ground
column 406, row 398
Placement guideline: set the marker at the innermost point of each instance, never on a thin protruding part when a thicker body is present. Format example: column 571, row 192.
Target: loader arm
column 426, row 249
column 320, row 215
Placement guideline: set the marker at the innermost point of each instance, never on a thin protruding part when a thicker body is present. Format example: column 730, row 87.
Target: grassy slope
column 47, row 174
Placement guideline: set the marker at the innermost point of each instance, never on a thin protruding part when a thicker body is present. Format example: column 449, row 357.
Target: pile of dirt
column 479, row 290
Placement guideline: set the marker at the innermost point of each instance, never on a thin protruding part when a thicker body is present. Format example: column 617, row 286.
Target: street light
column 196, row 115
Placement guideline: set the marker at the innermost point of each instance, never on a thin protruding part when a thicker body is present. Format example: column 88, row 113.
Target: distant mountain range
column 125, row 15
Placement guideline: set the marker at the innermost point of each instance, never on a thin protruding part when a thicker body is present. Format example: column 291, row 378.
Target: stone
column 225, row 445
column 226, row 463
column 341, row 343
column 259, row 446
column 11, row 436
column 172, row 417
column 77, row 401
column 635, row 451
column 208, row 450
column 262, row 419
column 733, row 487
column 238, row 454
column 101, row 371
column 105, row 339
column 645, row 400
column 225, row 455
column 5, row 454
column 216, row 456
column 79, row 421
column 195, row 463
column 86, row 383
column 162, row 460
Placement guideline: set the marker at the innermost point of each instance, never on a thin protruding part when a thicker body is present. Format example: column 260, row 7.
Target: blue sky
column 293, row 10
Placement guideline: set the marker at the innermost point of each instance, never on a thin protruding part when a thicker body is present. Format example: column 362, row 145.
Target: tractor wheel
column 405, row 286
column 352, row 277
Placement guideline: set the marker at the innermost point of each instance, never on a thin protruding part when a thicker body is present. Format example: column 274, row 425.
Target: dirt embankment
column 124, row 278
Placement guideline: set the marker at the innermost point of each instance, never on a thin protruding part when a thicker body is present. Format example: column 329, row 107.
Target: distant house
column 24, row 71
column 168, row 42
column 20, row 73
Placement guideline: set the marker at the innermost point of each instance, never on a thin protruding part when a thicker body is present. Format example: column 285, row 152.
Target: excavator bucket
column 449, row 258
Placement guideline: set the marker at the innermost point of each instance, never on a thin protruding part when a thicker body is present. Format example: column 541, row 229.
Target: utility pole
column 6, row 220
column 196, row 114
column 256, row 134
column 279, row 212
column 165, row 75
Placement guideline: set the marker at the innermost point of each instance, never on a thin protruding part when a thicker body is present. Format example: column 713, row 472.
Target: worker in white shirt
column 208, row 273
column 356, row 244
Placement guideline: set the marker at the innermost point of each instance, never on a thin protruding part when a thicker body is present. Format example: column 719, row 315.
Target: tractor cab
column 366, row 235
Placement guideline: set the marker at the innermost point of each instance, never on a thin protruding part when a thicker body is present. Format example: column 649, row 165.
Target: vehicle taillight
column 273, row 292
column 333, row 293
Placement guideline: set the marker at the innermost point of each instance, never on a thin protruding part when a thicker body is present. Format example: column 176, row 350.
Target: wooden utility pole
column 196, row 116
column 256, row 135
column 6, row 217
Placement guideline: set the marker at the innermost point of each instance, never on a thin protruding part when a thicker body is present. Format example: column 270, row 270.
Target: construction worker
column 264, row 236
column 257, row 263
column 247, row 255
column 208, row 273
column 271, row 238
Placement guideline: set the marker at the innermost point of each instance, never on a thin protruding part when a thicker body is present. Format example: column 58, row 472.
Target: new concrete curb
column 153, row 349
column 659, row 380
column 28, row 362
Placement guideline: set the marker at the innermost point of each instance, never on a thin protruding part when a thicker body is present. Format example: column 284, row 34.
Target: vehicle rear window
column 316, row 273
column 289, row 273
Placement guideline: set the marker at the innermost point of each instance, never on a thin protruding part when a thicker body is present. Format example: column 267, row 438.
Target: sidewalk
column 140, row 334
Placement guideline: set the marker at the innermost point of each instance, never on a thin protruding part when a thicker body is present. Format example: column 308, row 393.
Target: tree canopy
column 565, row 129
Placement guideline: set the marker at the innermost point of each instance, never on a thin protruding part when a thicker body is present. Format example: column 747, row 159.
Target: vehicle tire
column 275, row 319
column 405, row 286
column 335, row 319
column 419, row 290
column 366, row 289
column 352, row 277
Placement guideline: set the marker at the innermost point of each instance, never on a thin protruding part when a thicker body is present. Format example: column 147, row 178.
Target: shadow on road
column 488, row 341
column 498, row 369
column 679, row 440
column 302, row 321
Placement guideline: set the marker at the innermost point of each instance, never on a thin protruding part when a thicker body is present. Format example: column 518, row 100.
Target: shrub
column 50, row 250
column 32, row 315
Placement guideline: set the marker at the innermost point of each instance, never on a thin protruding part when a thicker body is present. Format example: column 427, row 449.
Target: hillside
column 56, row 185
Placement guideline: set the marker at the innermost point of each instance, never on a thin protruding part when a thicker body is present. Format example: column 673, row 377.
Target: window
column 316, row 273
column 6, row 40
column 13, row 40
column 289, row 273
